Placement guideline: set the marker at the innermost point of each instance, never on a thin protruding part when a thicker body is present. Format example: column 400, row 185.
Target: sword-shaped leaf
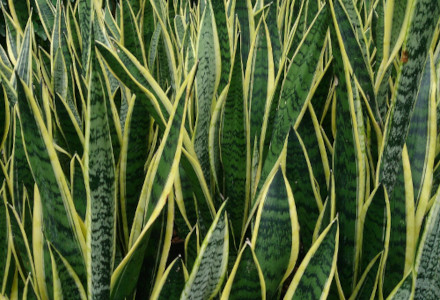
column 4, row 117
column 427, row 267
column 223, row 38
column 70, row 284
column 375, row 225
column 405, row 289
column 4, row 233
column 349, row 44
column 134, row 154
column 246, row 280
column 296, row 87
column 262, row 76
column 100, row 173
column 300, row 179
column 24, row 62
column 313, row 277
column 275, row 237
column 85, row 14
column 157, row 186
column 128, row 70
column 425, row 14
column 207, row 80
column 209, row 269
column 418, row 139
column 348, row 167
column 46, row 12
column 172, row 282
column 130, row 35
column 367, row 286
column 233, row 147
column 61, row 225
column 243, row 9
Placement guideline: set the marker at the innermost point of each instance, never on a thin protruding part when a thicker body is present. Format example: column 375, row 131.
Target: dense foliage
column 178, row 149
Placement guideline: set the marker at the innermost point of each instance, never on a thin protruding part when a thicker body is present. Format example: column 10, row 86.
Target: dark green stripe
column 223, row 37
column 346, row 176
column 131, row 39
column 428, row 268
column 138, row 127
column 233, row 148
column 274, row 240
column 418, row 140
column 424, row 19
column 295, row 89
column 297, row 173
column 205, row 84
column 317, row 272
column 246, row 283
column 174, row 283
column 57, row 228
column 102, row 187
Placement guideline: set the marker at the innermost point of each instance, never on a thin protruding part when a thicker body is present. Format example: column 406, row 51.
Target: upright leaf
column 61, row 226
column 100, row 174
column 314, row 275
column 276, row 234
column 246, row 280
column 296, row 87
column 233, row 148
column 209, row 269
column 427, row 265
column 207, row 79
column 425, row 14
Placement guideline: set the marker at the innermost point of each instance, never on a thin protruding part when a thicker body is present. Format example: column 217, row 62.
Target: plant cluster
column 239, row 149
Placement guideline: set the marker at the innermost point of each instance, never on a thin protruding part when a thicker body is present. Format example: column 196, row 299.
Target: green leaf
column 348, row 167
column 274, row 34
column 246, row 280
column 147, row 28
column 233, row 148
column 173, row 281
column 427, row 267
column 22, row 251
column 223, row 38
column 61, row 226
column 100, row 174
column 418, row 138
column 313, row 277
column 259, row 82
column 129, row 71
column 85, row 12
column 402, row 223
column 154, row 193
column 275, row 238
column 243, row 10
column 209, row 269
column 134, row 154
column 349, row 44
column 77, row 185
column 301, row 180
column 70, row 284
column 405, row 289
column 46, row 12
column 130, row 35
column 374, row 222
column 296, row 87
column 207, row 80
column 22, row 176
column 24, row 62
column 416, row 45
column 367, row 285
column 4, row 232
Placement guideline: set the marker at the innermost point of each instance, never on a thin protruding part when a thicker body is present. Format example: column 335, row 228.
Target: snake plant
column 220, row 149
